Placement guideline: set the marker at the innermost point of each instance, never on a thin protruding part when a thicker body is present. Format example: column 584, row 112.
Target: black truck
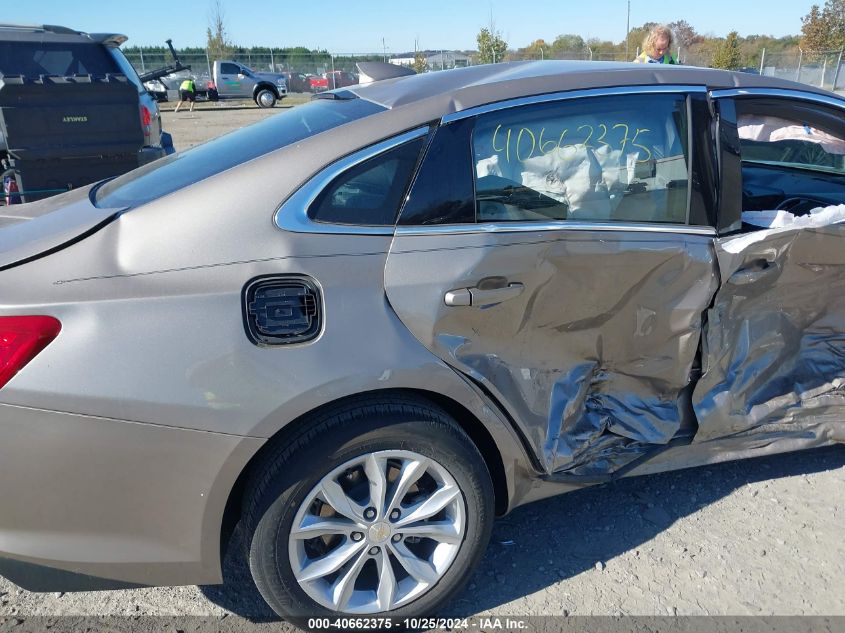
column 72, row 111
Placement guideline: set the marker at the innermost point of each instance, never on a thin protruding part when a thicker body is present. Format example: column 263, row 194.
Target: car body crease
column 217, row 265
column 123, row 421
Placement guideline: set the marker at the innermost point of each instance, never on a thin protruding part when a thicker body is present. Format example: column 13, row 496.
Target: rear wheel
column 265, row 98
column 378, row 508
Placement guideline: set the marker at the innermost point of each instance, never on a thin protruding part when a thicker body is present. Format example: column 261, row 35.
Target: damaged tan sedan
column 366, row 326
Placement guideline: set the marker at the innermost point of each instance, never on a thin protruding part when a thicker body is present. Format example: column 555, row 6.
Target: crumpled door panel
column 774, row 346
column 591, row 357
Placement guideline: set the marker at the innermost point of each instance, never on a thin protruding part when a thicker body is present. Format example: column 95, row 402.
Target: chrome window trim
column 292, row 215
column 563, row 225
column 778, row 92
column 570, row 94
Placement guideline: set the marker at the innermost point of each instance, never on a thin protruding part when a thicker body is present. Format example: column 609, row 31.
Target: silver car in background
column 366, row 326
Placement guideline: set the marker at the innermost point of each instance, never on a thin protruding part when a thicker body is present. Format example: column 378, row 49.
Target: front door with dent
column 774, row 353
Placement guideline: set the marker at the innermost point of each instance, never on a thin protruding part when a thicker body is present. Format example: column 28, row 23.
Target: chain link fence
column 825, row 70
column 315, row 64
column 585, row 54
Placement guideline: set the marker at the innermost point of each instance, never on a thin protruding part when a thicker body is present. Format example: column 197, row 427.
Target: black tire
column 283, row 480
column 265, row 98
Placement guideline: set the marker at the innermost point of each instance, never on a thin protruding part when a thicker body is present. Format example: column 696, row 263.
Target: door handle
column 478, row 297
column 754, row 271
column 495, row 295
column 459, row 297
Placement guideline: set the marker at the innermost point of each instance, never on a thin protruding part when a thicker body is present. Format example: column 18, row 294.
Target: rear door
column 774, row 353
column 558, row 252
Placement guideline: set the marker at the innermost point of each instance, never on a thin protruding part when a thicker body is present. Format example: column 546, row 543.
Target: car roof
column 50, row 33
column 462, row 88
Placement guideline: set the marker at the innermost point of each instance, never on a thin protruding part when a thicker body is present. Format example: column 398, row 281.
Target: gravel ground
column 211, row 119
column 757, row 537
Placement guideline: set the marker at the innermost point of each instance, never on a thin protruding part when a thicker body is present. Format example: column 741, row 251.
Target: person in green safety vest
column 187, row 92
column 657, row 47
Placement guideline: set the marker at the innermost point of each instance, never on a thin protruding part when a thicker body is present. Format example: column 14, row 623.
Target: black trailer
column 60, row 133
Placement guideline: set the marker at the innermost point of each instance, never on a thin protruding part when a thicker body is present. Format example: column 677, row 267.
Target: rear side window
column 166, row 175
column 369, row 193
column 126, row 68
column 32, row 59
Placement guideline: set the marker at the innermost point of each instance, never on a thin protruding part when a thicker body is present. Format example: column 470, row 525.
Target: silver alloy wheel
column 266, row 99
column 377, row 532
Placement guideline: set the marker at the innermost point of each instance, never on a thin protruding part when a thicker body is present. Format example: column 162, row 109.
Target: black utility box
column 66, row 132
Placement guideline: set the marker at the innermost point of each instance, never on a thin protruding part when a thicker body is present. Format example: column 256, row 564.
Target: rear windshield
column 32, row 59
column 166, row 175
column 126, row 68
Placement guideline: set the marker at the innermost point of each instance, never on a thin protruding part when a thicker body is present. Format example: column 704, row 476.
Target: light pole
column 628, row 32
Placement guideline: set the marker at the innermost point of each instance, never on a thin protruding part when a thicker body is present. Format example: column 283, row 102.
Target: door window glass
column 622, row 158
column 791, row 142
column 793, row 155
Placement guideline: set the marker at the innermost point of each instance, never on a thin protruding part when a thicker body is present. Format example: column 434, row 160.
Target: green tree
column 823, row 29
column 420, row 63
column 727, row 54
column 568, row 43
column 685, row 35
column 604, row 49
column 538, row 49
column 218, row 45
column 834, row 14
column 815, row 32
column 491, row 47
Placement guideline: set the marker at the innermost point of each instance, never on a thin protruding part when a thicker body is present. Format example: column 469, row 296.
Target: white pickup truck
column 233, row 80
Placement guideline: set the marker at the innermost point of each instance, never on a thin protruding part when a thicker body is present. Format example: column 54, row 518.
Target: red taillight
column 146, row 121
column 21, row 339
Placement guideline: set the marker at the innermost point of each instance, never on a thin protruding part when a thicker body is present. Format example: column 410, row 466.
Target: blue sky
column 344, row 26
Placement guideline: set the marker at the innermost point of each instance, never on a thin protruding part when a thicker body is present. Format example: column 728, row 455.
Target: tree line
column 822, row 31
column 731, row 52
